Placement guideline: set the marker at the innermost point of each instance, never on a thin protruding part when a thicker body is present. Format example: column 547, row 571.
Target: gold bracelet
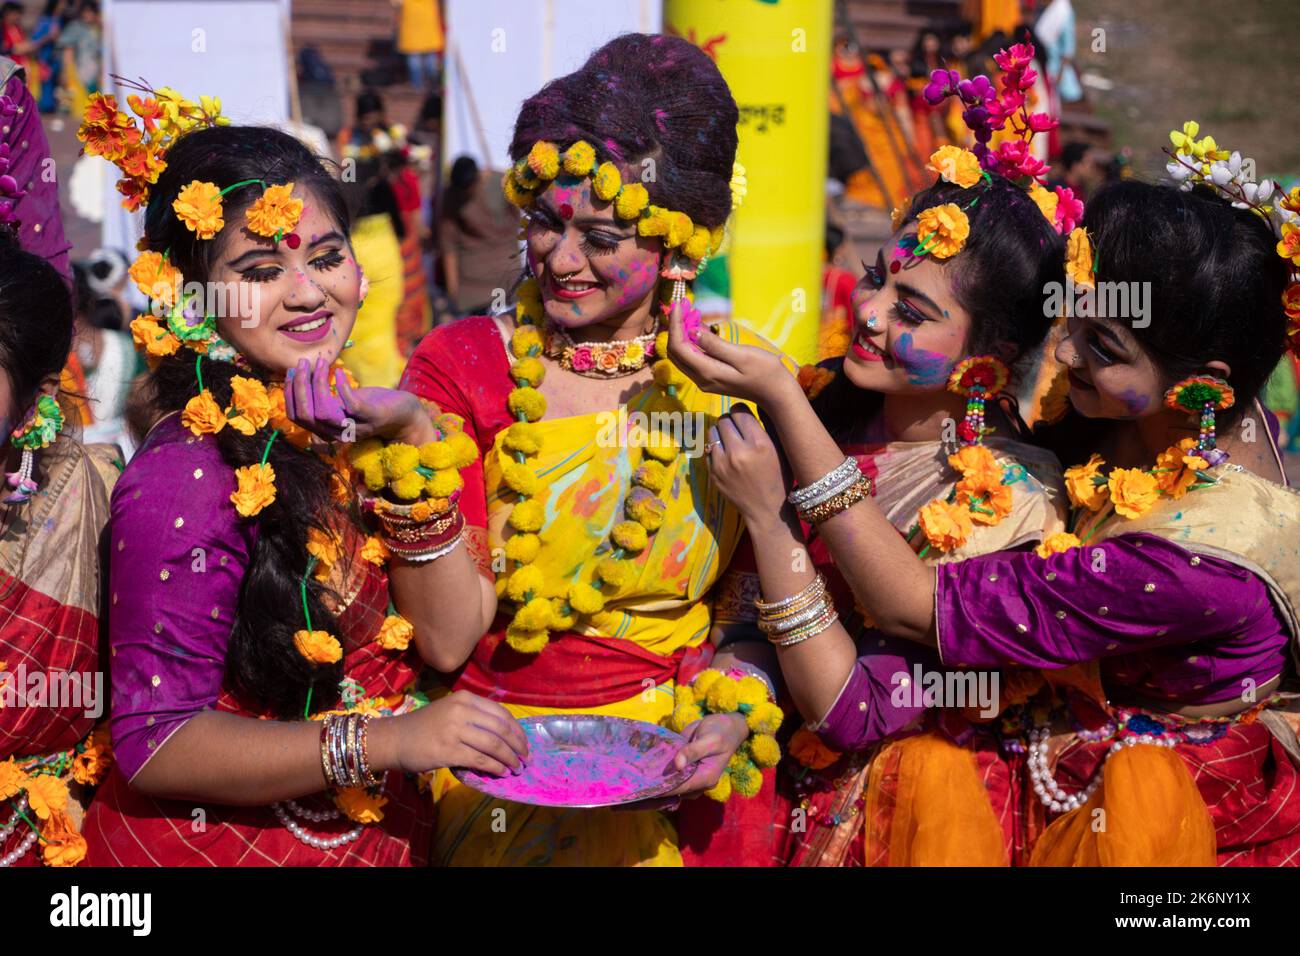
column 842, row 502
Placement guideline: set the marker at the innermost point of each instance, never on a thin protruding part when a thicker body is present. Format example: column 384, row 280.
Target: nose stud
column 872, row 321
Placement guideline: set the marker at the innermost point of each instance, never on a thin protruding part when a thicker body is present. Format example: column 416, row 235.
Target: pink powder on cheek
column 634, row 280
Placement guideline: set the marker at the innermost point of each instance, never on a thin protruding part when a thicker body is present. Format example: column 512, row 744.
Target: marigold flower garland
column 542, row 606
column 713, row 692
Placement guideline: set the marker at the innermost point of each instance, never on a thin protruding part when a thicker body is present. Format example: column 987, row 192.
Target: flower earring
column 977, row 378
column 39, row 431
column 1203, row 395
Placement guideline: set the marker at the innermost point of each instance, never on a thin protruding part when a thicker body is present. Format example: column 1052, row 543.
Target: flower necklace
column 600, row 359
column 544, row 606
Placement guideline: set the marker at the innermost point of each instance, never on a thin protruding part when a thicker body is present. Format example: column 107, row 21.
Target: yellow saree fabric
column 585, row 468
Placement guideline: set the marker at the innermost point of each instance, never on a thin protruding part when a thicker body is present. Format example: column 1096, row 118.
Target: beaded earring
column 39, row 431
column 1202, row 395
column 977, row 378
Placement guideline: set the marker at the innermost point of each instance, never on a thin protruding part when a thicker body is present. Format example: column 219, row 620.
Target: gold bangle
column 842, row 502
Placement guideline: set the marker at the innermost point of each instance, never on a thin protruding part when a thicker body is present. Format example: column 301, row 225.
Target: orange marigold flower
column 275, row 211
column 250, row 401
column 12, row 780
column 946, row 525
column 813, row 378
column 1176, row 468
column 360, row 805
column 199, row 206
column 807, row 748
column 256, row 489
column 149, row 336
column 319, row 647
column 942, row 230
column 63, row 845
column 279, row 419
column 202, row 415
column 1083, row 490
column 1057, row 543
column 156, row 277
column 46, row 794
column 978, row 468
column 1132, row 491
column 374, row 551
column 395, row 633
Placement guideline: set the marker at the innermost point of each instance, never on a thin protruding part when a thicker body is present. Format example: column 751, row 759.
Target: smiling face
column 285, row 304
column 909, row 332
column 1110, row 374
column 592, row 267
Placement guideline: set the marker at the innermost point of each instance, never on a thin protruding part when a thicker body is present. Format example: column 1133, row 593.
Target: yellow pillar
column 775, row 55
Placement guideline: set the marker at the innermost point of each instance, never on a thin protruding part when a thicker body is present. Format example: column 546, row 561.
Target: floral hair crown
column 1195, row 161
column 545, row 161
column 989, row 111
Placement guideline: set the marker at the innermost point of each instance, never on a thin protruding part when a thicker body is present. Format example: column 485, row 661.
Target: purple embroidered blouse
column 1165, row 623
column 178, row 552
column 35, row 195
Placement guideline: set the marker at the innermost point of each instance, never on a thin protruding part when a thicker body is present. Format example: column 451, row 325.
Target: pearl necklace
column 1049, row 791
column 14, row 855
column 303, row 835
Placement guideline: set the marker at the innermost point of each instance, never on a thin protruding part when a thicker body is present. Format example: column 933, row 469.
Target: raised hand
column 742, row 371
column 352, row 414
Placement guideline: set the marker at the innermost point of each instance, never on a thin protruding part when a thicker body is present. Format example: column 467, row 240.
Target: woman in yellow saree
column 594, row 506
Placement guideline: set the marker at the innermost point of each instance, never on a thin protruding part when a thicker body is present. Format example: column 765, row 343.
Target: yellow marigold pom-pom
column 399, row 460
column 523, row 548
column 528, row 371
column 563, row 616
column 751, row 692
column 534, row 616
column 765, row 750
column 651, row 475
column 524, row 176
column 705, row 680
column 519, row 479
column 449, row 424
column 409, row 487
column 683, row 695
column 655, row 224
column 661, row 344
column 943, row 230
column 667, row 375
column 515, row 194
column 615, row 573
column 436, row 455
column 544, row 160
column 661, row 447
column 697, row 247
column 607, row 181
column 525, row 641
column 463, row 450
column 365, row 452
column 527, row 515
column 395, row 633
column 747, row 781
column 586, row 599
column 716, row 235
column 721, row 791
column 579, row 158
column 647, row 511
column 680, row 228
column 443, row 483
column 632, row 198
column 527, row 403
column 525, row 341
column 723, row 696
column 373, row 475
column 685, row 715
column 523, row 437
column 523, row 582
column 629, row 536
column 765, row 718
column 319, row 647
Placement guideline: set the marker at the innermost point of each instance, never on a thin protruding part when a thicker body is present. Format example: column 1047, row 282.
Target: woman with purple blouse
column 263, row 646
column 1135, row 664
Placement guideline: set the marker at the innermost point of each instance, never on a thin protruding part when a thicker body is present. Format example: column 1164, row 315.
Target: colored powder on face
column 923, row 367
column 1135, row 402
column 636, row 279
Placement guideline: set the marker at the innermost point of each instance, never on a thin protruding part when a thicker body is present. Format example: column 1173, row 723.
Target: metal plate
column 587, row 760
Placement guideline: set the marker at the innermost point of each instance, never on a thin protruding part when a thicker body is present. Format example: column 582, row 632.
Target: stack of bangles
column 794, row 619
column 425, row 538
column 832, row 493
column 343, row 751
